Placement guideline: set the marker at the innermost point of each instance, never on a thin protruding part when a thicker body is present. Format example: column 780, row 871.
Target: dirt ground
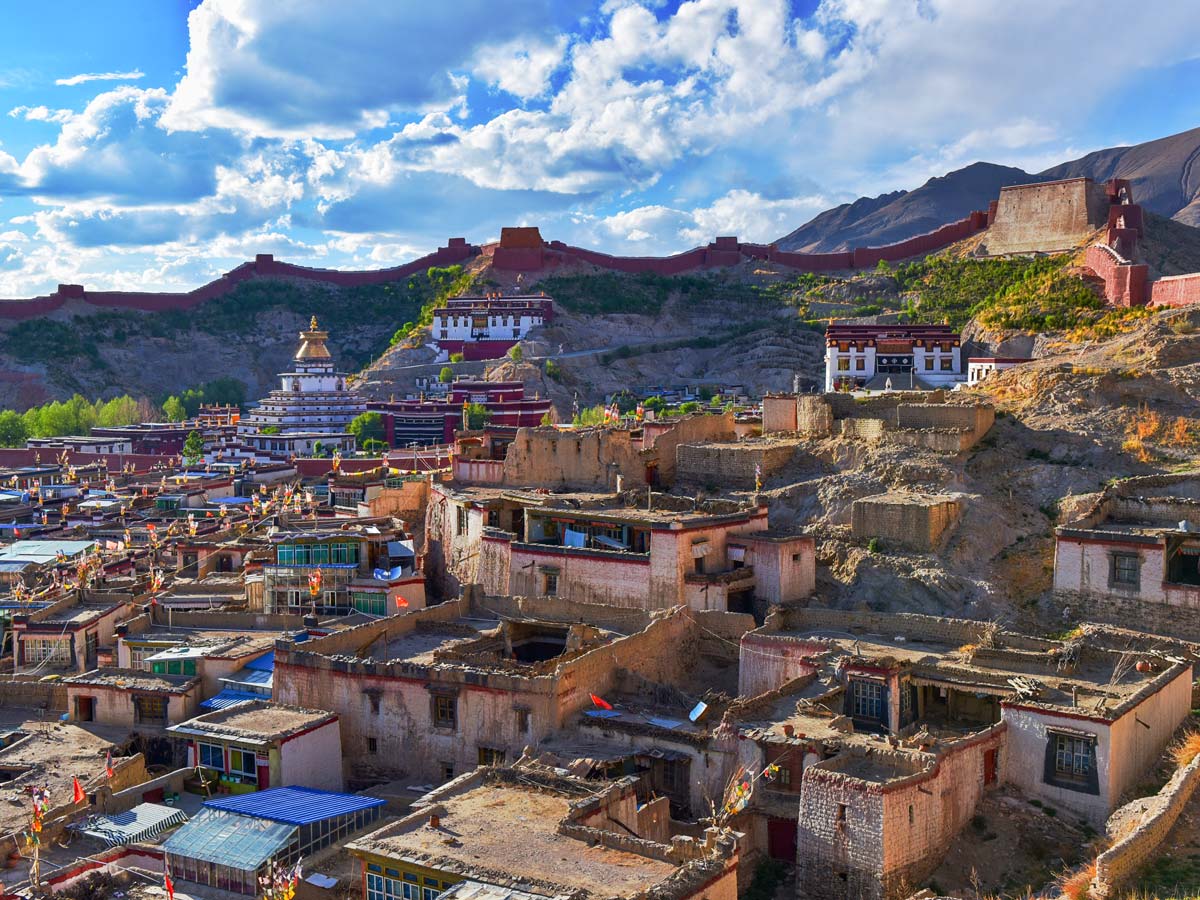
column 1010, row 846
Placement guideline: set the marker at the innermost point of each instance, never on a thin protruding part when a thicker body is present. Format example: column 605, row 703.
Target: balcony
column 731, row 579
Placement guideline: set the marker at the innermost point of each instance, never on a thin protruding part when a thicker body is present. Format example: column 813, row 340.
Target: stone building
column 596, row 548
column 439, row 691
column 132, row 699
column 485, row 327
column 1132, row 554
column 547, row 836
column 896, row 725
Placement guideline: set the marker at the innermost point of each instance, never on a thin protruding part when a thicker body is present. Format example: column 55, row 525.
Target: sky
column 154, row 144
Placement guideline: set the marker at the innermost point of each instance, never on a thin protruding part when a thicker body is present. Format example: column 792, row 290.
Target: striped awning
column 144, row 821
column 229, row 697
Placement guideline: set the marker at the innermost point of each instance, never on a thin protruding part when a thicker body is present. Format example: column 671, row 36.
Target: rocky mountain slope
column 1164, row 172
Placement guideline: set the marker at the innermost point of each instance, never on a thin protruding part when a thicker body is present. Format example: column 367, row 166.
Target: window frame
column 1118, row 574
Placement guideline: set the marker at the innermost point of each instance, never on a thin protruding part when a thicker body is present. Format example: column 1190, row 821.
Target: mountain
column 1164, row 173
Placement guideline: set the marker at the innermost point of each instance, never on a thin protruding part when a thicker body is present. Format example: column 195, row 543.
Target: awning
column 737, row 554
column 229, row 697
column 701, row 548
column 144, row 821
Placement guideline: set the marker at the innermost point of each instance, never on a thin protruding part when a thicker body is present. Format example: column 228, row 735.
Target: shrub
column 1076, row 885
column 456, row 357
column 515, row 353
column 553, row 370
column 446, row 375
column 1186, row 748
column 873, row 545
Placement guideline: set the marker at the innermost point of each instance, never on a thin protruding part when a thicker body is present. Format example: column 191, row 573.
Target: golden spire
column 312, row 326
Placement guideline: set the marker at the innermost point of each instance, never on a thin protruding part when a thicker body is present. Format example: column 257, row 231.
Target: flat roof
column 515, row 830
column 254, row 721
column 134, row 680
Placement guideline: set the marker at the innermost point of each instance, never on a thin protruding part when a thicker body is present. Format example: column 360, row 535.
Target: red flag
column 400, row 601
column 169, row 885
column 108, row 765
column 600, row 702
column 78, row 795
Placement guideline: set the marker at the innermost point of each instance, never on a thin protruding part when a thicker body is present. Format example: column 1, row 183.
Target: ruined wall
column 733, row 465
column 406, row 502
column 814, row 417
column 839, row 837
column 1045, row 217
column 1155, row 817
column 560, row 609
column 976, row 418
column 690, row 429
column 581, row 460
column 769, row 661
column 913, row 522
column 779, row 413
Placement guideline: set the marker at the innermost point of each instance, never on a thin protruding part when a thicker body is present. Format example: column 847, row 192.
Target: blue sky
column 150, row 144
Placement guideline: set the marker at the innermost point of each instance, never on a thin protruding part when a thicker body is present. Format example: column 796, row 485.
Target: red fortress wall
column 519, row 249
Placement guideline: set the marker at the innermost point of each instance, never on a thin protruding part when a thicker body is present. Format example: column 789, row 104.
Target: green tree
column 118, row 411
column 225, row 391
column 591, row 415
column 374, row 446
column 193, row 448
column 367, row 426
column 446, row 375
column 655, row 403
column 269, row 429
column 477, row 416
column 174, row 409
column 690, row 407
column 456, row 357
column 515, row 353
column 553, row 370
column 13, row 431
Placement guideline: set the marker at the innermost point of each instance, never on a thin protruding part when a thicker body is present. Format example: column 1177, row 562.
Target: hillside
column 1164, row 175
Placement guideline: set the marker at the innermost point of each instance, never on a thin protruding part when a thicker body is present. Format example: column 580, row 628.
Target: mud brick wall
column 1054, row 215
column 910, row 523
column 731, row 465
column 50, row 696
column 1116, row 865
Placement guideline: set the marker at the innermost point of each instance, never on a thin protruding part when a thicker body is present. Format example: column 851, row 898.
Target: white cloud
column 520, row 67
column 41, row 114
column 133, row 75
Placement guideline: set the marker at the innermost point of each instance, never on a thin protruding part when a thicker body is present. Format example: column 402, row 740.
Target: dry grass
column 1076, row 885
column 1186, row 748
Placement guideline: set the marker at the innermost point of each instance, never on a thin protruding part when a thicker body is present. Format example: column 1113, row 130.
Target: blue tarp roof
column 141, row 823
column 265, row 663
column 260, row 677
column 229, row 697
column 240, row 842
column 293, row 805
column 236, row 501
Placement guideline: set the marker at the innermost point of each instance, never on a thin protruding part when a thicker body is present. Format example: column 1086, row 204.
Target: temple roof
column 312, row 343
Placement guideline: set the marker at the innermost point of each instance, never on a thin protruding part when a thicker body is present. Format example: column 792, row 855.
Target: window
column 860, row 364
column 372, row 745
column 841, row 815
column 445, row 712
column 372, row 604
column 150, row 710
column 1124, row 570
column 212, row 756
column 489, row 756
column 241, row 762
column 911, row 818
column 550, row 584
column 947, row 364
column 843, row 365
column 461, row 523
column 522, row 720
column 1072, row 756
column 174, row 667
column 866, row 700
column 929, row 364
column 381, row 888
column 447, row 771
column 39, row 650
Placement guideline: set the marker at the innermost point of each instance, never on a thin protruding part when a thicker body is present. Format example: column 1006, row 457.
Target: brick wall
column 580, row 460
column 690, row 429
column 779, row 413
column 1177, row 290
column 32, row 694
column 913, row 523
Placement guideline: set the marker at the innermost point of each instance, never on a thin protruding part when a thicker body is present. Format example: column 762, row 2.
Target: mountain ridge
column 1164, row 173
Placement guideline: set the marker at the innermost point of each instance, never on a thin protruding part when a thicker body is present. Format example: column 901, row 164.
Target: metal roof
column 478, row 890
column 228, row 697
column 294, row 805
column 264, row 663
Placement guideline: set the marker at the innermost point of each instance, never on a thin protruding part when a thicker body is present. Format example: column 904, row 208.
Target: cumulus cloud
column 521, row 68
column 133, row 75
column 313, row 68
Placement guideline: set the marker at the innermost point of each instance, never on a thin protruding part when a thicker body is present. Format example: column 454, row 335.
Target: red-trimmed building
column 434, row 421
column 885, row 357
column 486, row 327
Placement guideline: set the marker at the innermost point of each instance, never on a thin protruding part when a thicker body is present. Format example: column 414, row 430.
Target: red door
column 989, row 767
column 781, row 840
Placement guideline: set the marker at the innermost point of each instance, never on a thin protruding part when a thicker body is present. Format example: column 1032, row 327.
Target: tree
column 367, row 427
column 655, row 403
column 12, row 429
column 269, row 429
column 515, row 353
column 446, row 375
column 373, row 446
column 174, row 409
column 688, row 408
column 456, row 357
column 193, row 448
column 318, row 449
column 477, row 415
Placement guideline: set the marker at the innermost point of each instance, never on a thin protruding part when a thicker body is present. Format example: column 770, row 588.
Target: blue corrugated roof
column 265, row 663
column 294, row 805
column 228, row 697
